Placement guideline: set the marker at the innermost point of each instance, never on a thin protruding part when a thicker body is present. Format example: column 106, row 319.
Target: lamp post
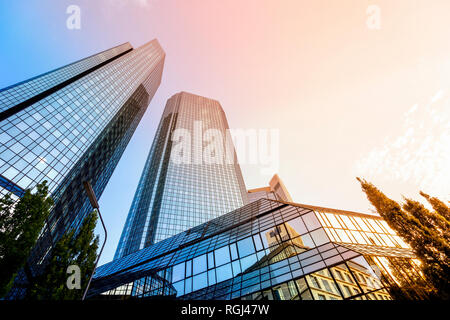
column 94, row 204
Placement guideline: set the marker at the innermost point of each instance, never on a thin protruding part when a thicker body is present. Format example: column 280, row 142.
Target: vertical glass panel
column 199, row 264
column 311, row 221
column 224, row 272
column 179, row 287
column 200, row 281
column 234, row 254
column 210, row 260
column 258, row 243
column 303, row 289
column 295, row 227
column 188, row 268
column 188, row 286
column 236, row 268
column 245, row 247
column 178, row 272
column 222, row 255
column 211, row 277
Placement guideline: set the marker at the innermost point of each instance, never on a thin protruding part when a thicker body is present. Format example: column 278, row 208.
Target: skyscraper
column 173, row 196
column 275, row 191
column 72, row 124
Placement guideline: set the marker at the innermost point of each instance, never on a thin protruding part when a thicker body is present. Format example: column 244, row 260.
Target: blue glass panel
column 188, row 268
column 200, row 281
column 248, row 262
column 246, row 247
column 210, row 260
column 234, row 254
column 179, row 287
column 224, row 272
column 222, row 255
column 178, row 272
column 199, row 264
column 236, row 267
column 212, row 277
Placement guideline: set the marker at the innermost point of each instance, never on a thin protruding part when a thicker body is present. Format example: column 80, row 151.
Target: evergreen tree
column 425, row 231
column 72, row 249
column 20, row 224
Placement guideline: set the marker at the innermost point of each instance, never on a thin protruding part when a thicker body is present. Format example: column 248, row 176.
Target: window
column 199, row 264
column 315, row 283
column 311, row 221
column 295, row 227
column 326, row 285
column 178, row 272
column 222, row 256
column 321, row 297
column 200, row 281
column 245, row 247
column 224, row 273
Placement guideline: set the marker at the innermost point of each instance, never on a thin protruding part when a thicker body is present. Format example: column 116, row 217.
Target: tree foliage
column 426, row 231
column 78, row 249
column 20, row 224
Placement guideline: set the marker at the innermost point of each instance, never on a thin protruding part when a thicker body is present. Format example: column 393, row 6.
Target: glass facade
column 172, row 197
column 265, row 250
column 76, row 131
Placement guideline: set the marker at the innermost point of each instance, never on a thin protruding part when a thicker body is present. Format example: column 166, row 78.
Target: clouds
column 420, row 156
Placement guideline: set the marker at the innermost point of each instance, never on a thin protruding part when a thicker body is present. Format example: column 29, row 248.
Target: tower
column 181, row 185
column 72, row 125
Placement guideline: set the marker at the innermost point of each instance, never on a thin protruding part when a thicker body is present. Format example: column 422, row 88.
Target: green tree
column 72, row 249
column 425, row 231
column 20, row 224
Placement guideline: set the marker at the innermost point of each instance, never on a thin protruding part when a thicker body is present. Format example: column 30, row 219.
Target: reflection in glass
column 222, row 255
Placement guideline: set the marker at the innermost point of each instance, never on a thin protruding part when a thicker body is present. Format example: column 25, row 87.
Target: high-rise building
column 271, row 250
column 276, row 190
column 183, row 187
column 72, row 125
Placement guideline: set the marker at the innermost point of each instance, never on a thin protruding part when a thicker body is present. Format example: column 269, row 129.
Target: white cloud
column 420, row 155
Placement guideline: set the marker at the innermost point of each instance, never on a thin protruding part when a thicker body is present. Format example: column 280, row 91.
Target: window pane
column 199, row 264
column 224, row 272
column 179, row 287
column 248, row 261
column 234, row 254
column 295, row 227
column 311, row 221
column 222, row 256
column 245, row 247
column 200, row 281
column 178, row 272
column 319, row 236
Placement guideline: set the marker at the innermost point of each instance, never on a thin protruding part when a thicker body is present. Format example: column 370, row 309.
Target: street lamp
column 94, row 204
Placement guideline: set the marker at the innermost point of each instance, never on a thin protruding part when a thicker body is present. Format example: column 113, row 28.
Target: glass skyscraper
column 72, row 124
column 270, row 250
column 172, row 196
